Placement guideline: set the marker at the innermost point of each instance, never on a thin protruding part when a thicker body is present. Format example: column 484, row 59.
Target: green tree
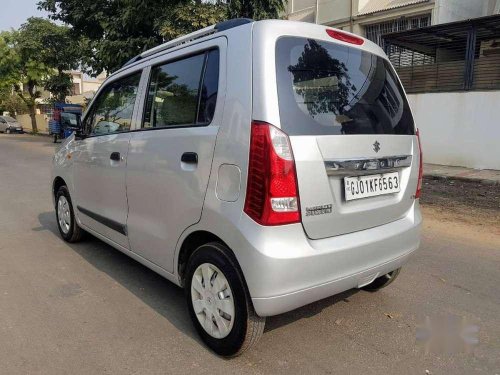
column 255, row 9
column 10, row 102
column 114, row 31
column 59, row 86
column 21, row 70
column 34, row 57
column 195, row 15
column 58, row 49
column 186, row 18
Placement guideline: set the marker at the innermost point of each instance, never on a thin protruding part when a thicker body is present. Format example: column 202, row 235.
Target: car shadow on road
column 160, row 294
column 308, row 311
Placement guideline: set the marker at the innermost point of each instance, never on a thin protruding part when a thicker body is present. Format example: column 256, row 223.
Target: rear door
column 352, row 135
column 170, row 157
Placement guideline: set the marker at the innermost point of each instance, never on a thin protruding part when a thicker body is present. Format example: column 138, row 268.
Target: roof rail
column 229, row 24
column 235, row 22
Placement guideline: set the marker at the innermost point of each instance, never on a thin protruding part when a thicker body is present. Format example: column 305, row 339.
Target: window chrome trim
column 363, row 166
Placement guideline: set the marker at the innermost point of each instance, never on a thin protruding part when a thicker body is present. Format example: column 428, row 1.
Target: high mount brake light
column 344, row 37
column 272, row 194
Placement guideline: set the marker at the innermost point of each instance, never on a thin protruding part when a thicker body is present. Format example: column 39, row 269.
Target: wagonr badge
column 319, row 210
column 214, row 162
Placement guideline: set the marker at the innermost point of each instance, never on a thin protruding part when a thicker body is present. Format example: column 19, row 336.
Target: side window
column 209, row 88
column 180, row 94
column 113, row 109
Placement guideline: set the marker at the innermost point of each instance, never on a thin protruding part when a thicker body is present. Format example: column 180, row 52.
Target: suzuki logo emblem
column 376, row 146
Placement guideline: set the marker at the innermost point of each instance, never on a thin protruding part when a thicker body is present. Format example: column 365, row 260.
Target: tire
column 382, row 281
column 231, row 334
column 7, row 131
column 65, row 216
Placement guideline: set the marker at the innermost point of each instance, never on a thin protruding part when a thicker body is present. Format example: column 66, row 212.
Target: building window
column 75, row 90
column 374, row 32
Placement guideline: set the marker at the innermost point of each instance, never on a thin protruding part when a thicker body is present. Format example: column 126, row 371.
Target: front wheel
column 65, row 215
column 7, row 131
column 218, row 301
column 382, row 281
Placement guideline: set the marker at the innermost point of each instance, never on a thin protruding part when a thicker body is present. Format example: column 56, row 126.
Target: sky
column 15, row 12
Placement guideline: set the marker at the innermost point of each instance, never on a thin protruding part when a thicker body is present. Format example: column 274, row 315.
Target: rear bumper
column 279, row 304
column 290, row 270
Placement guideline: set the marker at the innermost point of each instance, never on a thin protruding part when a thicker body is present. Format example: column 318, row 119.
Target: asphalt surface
column 88, row 309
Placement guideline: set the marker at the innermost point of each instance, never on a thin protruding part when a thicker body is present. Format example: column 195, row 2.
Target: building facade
column 84, row 88
column 374, row 18
column 83, row 83
column 447, row 55
column 451, row 73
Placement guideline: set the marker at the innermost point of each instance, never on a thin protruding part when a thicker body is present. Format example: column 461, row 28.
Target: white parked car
column 9, row 125
column 260, row 165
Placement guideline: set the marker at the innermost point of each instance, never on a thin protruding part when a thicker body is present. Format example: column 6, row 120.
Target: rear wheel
column 382, row 281
column 65, row 215
column 218, row 302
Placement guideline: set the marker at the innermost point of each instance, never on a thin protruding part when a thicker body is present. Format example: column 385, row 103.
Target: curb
column 39, row 134
column 484, row 181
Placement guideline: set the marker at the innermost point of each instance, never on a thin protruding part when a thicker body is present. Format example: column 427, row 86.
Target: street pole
column 316, row 13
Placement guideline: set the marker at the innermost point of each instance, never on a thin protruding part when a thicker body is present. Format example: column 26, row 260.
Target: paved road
column 88, row 309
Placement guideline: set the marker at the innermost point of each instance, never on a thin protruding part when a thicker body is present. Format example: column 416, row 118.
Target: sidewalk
column 486, row 176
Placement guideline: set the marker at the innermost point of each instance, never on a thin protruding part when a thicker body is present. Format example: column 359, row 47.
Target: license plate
column 371, row 186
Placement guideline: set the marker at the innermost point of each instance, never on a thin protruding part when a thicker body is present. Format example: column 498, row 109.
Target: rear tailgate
column 347, row 117
column 325, row 210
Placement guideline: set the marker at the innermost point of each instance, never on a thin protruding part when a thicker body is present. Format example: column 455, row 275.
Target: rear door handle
column 189, row 157
column 115, row 156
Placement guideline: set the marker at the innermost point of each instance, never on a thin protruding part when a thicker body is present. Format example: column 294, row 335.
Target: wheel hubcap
column 213, row 301
column 63, row 214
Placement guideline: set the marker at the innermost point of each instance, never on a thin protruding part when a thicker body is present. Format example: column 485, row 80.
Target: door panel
column 165, row 195
column 101, row 159
column 100, row 185
column 169, row 162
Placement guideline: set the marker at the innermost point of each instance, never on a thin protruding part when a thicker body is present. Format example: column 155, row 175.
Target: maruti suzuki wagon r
column 261, row 166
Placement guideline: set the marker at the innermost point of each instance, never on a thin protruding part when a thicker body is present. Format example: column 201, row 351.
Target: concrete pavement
column 88, row 309
column 487, row 176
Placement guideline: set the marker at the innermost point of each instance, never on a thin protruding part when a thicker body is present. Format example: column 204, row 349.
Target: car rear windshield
column 329, row 89
column 9, row 119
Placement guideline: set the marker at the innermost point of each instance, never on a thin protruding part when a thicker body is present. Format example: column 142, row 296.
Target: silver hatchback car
column 10, row 125
column 261, row 165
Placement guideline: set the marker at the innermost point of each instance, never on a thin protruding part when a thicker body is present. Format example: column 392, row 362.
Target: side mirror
column 73, row 121
column 80, row 134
